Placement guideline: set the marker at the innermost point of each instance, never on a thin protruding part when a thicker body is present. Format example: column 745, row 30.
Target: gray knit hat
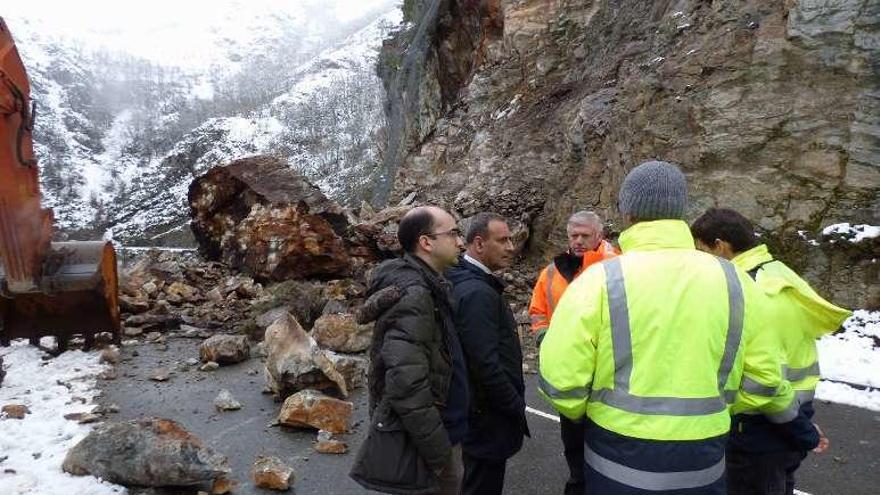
column 653, row 191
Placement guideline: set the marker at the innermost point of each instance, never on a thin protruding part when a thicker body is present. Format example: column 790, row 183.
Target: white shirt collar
column 476, row 263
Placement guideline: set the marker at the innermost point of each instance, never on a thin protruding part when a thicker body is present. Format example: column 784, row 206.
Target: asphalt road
column 851, row 467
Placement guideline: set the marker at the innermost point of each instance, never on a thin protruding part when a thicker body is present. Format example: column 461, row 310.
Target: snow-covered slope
column 324, row 125
column 121, row 134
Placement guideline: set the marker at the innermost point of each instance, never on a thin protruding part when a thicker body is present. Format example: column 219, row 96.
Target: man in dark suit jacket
column 487, row 330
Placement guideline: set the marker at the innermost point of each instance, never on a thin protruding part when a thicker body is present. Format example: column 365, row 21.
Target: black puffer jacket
column 487, row 330
column 410, row 342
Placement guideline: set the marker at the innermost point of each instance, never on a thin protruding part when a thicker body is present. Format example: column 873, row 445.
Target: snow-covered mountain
column 120, row 136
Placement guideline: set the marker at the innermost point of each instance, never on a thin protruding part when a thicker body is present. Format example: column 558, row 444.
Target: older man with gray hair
column 586, row 246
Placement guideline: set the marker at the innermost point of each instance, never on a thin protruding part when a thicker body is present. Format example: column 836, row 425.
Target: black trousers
column 573, row 447
column 483, row 476
column 762, row 474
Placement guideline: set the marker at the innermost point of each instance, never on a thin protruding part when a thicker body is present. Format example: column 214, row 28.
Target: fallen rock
column 295, row 362
column 160, row 375
column 214, row 295
column 152, row 320
column 260, row 216
column 223, row 485
column 183, row 291
column 226, row 402
column 110, row 355
column 326, row 444
column 209, row 366
column 310, row 408
column 225, row 349
column 15, row 411
column 269, row 317
column 353, row 368
column 191, row 332
column 83, row 418
column 132, row 331
column 148, row 452
column 2, row 372
column 133, row 304
column 272, row 474
column 341, row 333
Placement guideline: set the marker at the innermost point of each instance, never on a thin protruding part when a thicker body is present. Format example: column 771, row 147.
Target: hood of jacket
column 818, row 315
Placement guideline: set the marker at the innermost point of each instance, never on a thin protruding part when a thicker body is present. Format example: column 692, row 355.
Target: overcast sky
column 170, row 30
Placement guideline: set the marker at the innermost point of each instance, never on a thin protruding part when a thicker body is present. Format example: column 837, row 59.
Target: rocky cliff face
column 537, row 108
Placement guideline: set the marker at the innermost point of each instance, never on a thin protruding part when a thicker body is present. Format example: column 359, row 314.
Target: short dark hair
column 413, row 225
column 478, row 225
column 727, row 225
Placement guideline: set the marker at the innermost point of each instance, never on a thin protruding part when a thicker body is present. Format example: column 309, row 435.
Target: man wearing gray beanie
column 656, row 347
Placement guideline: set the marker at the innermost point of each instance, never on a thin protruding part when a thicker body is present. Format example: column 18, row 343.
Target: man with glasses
column 418, row 378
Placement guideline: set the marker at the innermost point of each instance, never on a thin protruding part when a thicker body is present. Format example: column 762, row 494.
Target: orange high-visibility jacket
column 551, row 284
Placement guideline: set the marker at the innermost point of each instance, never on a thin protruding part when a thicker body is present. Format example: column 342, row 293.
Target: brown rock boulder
column 341, row 333
column 15, row 411
column 294, row 361
column 310, row 408
column 225, row 349
column 259, row 215
column 149, row 452
column 353, row 368
column 272, row 474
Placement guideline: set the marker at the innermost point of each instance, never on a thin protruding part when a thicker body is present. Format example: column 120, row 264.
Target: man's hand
column 823, row 441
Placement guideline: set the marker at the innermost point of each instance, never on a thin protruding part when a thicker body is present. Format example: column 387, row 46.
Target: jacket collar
column 476, row 263
column 434, row 279
column 753, row 257
column 655, row 235
column 478, row 272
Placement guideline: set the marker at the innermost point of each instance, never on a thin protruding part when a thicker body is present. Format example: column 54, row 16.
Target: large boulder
column 225, row 349
column 295, row 362
column 259, row 215
column 312, row 409
column 147, row 452
column 341, row 333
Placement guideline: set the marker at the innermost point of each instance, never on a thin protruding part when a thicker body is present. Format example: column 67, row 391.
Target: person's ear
column 425, row 243
column 479, row 244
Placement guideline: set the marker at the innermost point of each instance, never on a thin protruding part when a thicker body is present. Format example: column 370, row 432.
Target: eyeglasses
column 451, row 233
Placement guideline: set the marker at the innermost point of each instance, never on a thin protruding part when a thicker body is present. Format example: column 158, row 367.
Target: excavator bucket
column 47, row 288
column 78, row 296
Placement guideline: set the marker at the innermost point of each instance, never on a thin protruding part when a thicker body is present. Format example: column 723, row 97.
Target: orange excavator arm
column 48, row 288
column 25, row 227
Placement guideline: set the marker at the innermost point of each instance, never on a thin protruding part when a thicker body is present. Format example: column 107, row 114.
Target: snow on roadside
column 852, row 356
column 32, row 449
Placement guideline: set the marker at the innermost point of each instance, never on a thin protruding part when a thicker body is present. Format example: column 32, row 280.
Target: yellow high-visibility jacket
column 798, row 317
column 659, row 342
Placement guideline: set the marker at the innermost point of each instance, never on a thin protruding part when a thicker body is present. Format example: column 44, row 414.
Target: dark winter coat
column 410, row 373
column 487, row 329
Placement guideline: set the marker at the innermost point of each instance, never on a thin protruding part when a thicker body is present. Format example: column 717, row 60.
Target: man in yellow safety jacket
column 761, row 458
column 586, row 245
column 656, row 347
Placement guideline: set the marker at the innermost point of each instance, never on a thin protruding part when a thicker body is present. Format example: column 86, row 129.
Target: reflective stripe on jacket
column 799, row 316
column 551, row 285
